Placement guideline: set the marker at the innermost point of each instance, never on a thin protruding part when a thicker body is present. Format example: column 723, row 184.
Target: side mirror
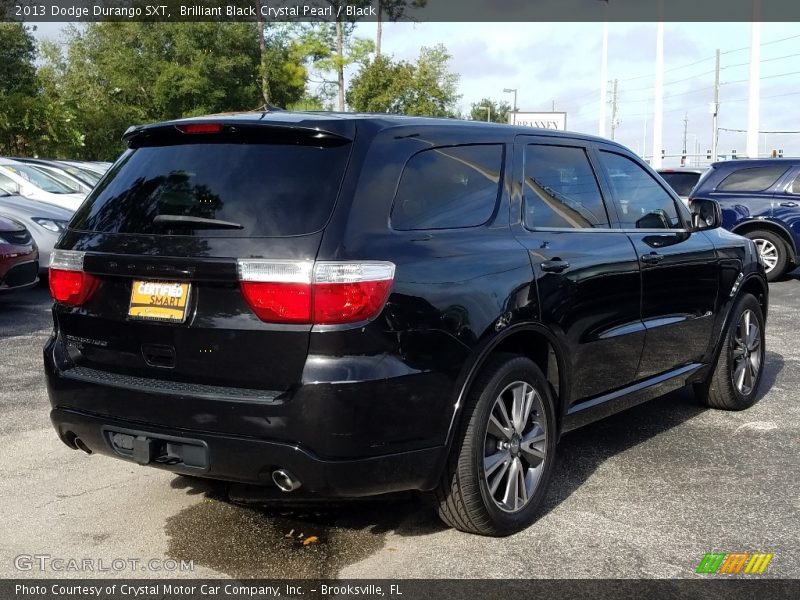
column 706, row 214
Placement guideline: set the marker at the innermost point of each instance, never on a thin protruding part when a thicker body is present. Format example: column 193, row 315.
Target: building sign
column 544, row 120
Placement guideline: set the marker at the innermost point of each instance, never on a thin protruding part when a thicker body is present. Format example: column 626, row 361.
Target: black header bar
column 711, row 11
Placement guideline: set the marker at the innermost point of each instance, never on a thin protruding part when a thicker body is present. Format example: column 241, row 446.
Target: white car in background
column 38, row 185
column 58, row 173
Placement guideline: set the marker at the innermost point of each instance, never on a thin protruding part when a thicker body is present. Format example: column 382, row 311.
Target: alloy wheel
column 768, row 252
column 746, row 346
column 515, row 446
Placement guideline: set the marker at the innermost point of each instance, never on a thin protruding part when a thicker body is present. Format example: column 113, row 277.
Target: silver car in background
column 44, row 221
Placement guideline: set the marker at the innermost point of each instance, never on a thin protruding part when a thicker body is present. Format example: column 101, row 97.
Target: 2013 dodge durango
column 349, row 305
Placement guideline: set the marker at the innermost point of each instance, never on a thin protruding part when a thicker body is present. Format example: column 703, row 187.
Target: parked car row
column 37, row 199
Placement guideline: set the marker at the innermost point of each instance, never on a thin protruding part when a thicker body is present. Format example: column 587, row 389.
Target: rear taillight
column 69, row 284
column 322, row 293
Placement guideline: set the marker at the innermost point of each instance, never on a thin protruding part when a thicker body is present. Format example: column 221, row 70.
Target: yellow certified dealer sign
column 159, row 300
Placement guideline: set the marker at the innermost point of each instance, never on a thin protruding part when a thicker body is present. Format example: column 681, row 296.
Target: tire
column 517, row 453
column 772, row 252
column 732, row 385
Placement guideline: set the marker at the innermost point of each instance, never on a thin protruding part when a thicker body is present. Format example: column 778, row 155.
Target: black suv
column 349, row 305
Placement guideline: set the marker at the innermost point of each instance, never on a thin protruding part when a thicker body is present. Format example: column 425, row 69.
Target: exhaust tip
column 285, row 481
column 80, row 445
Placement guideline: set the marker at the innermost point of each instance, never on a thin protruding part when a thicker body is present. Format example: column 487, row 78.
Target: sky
column 558, row 64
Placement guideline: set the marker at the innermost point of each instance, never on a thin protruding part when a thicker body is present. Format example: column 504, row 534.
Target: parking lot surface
column 643, row 494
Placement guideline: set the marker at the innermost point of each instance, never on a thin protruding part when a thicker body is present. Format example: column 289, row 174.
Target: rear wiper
column 194, row 222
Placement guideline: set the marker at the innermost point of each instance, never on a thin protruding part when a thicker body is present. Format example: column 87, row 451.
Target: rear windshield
column 682, row 183
column 269, row 189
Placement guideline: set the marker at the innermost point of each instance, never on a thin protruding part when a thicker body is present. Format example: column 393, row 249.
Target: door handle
column 789, row 204
column 554, row 266
column 652, row 259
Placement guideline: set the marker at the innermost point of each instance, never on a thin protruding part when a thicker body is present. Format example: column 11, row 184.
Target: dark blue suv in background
column 760, row 199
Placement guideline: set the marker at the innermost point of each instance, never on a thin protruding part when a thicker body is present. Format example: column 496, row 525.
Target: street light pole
column 514, row 109
column 488, row 110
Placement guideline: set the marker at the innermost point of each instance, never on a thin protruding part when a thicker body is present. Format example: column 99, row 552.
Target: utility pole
column 614, row 109
column 644, row 140
column 685, row 132
column 715, row 113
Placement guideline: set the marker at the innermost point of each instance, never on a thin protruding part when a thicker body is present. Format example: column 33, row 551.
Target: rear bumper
column 252, row 461
column 385, row 432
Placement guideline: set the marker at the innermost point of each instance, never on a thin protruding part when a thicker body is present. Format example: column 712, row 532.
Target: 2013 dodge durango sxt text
column 353, row 305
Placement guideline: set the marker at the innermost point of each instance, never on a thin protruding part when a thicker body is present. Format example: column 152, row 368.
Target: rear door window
column 448, row 187
column 757, row 179
column 269, row 189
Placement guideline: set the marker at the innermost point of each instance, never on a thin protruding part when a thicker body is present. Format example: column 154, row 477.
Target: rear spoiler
column 222, row 130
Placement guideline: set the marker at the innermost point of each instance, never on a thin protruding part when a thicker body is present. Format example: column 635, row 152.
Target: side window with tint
column 640, row 200
column 450, row 187
column 794, row 188
column 757, row 179
column 561, row 189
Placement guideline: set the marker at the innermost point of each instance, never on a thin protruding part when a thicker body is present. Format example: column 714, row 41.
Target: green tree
column 333, row 47
column 498, row 111
column 17, row 55
column 118, row 74
column 435, row 86
column 425, row 88
column 33, row 119
column 381, row 85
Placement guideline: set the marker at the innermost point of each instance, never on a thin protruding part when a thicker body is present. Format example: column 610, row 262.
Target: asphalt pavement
column 643, row 494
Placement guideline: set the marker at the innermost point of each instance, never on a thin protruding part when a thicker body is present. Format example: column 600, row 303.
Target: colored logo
column 735, row 562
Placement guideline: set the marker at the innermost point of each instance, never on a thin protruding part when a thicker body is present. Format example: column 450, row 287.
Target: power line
column 638, row 100
column 673, row 82
column 764, row 60
column 686, row 66
column 745, row 131
column 791, row 37
column 763, row 97
column 765, row 77
column 702, row 60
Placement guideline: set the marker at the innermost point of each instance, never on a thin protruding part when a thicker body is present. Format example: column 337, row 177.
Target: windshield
column 61, row 177
column 39, row 179
column 86, row 175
